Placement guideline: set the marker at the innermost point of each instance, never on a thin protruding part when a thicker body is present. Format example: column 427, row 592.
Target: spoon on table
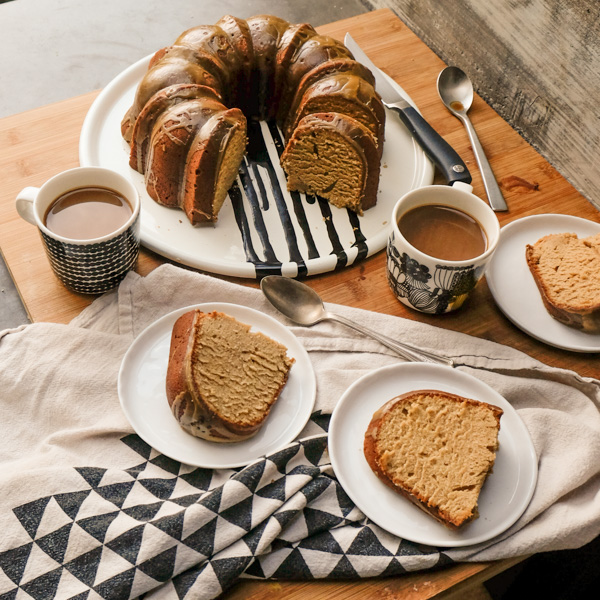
column 303, row 305
column 456, row 91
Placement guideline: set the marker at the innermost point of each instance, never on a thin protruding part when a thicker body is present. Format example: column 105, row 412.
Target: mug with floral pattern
column 429, row 284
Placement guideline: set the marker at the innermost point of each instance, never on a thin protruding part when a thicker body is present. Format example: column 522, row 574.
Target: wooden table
column 40, row 143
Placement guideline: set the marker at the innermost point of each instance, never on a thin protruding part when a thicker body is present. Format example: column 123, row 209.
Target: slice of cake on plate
column 436, row 449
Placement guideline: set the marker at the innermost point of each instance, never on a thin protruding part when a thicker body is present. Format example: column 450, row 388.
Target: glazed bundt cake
column 187, row 125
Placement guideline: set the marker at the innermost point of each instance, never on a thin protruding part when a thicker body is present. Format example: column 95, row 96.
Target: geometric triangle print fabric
column 129, row 533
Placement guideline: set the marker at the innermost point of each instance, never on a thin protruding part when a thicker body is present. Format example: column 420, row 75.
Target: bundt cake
column 566, row 270
column 436, row 449
column 222, row 378
column 187, row 125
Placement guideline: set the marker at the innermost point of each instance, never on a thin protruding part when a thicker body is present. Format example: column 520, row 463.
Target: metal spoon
column 456, row 91
column 304, row 306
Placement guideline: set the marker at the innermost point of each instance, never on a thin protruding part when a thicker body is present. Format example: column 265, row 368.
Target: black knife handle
column 445, row 158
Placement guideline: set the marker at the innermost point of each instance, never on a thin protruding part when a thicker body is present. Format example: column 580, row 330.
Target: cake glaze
column 187, row 125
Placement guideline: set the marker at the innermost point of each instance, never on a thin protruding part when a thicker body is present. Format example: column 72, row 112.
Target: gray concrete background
column 51, row 50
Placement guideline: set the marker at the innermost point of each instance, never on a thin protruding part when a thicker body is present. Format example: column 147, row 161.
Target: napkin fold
column 88, row 507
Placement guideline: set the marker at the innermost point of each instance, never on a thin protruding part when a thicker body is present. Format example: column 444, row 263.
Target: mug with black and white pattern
column 87, row 266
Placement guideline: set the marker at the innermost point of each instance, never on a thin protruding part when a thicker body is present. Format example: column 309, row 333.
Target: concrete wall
column 51, row 50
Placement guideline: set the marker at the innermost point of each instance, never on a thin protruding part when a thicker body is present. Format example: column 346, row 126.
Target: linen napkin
column 89, row 508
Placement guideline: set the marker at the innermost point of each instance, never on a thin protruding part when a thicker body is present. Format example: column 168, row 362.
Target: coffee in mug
column 443, row 232
column 88, row 212
column 442, row 238
column 89, row 222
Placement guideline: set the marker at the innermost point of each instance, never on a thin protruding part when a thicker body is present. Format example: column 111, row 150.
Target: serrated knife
column 445, row 158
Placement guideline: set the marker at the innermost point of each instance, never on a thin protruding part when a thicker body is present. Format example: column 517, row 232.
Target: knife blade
column 445, row 158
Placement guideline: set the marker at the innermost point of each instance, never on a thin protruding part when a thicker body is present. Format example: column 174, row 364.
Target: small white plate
column 514, row 289
column 265, row 229
column 144, row 400
column 506, row 492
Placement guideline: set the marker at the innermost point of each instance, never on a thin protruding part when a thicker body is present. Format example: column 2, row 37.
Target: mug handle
column 25, row 199
column 464, row 187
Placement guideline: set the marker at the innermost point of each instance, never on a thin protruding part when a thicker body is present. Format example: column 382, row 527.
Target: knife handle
column 445, row 158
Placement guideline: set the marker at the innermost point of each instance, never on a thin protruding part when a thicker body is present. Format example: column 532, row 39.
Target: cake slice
column 566, row 270
column 436, row 449
column 193, row 156
column 222, row 378
column 302, row 75
column 152, row 111
column 344, row 93
column 336, row 157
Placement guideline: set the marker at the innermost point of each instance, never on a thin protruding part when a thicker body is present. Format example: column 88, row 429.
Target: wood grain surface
column 38, row 144
column 537, row 63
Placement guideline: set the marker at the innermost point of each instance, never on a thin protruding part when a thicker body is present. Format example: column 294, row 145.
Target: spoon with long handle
column 456, row 91
column 303, row 305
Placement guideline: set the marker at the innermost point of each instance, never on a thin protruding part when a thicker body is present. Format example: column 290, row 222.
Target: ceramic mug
column 87, row 266
column 429, row 284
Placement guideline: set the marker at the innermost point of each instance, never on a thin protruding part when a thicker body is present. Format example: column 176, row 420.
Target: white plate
column 144, row 400
column 506, row 492
column 284, row 236
column 514, row 289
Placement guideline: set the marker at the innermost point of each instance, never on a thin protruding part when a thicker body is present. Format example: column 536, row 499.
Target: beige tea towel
column 89, row 510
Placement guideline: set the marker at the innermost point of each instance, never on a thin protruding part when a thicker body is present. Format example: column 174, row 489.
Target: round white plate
column 514, row 288
column 270, row 230
column 144, row 400
column 506, row 492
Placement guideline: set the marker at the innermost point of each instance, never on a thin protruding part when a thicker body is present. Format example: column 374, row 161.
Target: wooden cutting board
column 40, row 143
